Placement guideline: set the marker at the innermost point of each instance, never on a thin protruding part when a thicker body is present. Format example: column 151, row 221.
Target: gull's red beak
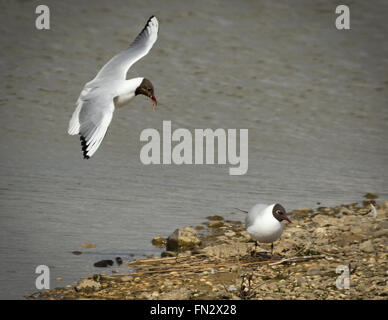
column 155, row 102
column 288, row 219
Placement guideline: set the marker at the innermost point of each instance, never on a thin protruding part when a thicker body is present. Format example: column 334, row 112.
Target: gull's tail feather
column 241, row 210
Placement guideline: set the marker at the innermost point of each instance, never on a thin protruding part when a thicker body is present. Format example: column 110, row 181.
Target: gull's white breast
column 262, row 225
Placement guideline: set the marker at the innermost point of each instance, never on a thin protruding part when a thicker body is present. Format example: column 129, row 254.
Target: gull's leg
column 272, row 249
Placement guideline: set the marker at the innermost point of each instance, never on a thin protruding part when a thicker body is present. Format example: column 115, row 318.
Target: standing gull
column 110, row 90
column 264, row 223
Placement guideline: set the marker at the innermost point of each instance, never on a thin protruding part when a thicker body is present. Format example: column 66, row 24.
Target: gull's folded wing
column 254, row 213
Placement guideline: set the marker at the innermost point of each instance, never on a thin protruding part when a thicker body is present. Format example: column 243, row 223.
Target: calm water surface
column 313, row 98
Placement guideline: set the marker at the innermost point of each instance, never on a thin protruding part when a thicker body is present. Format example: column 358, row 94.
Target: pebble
column 88, row 285
column 168, row 254
column 88, row 245
column 345, row 211
column 230, row 234
column 103, row 263
column 370, row 196
column 126, row 278
column 215, row 224
column 232, row 288
column 245, row 235
column 159, row 241
column 215, row 218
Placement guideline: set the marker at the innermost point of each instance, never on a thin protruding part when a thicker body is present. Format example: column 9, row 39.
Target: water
column 313, row 98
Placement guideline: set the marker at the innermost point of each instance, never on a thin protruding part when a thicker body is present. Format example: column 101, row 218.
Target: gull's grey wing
column 118, row 66
column 253, row 213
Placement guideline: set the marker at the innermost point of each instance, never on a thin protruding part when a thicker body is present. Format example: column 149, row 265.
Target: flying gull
column 110, row 90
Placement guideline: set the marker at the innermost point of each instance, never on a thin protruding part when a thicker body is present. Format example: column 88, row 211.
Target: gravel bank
column 214, row 261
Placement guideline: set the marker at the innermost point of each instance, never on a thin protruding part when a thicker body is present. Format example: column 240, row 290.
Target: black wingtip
column 84, row 146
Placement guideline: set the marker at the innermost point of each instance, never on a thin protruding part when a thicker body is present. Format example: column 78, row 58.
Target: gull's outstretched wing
column 118, row 66
column 95, row 116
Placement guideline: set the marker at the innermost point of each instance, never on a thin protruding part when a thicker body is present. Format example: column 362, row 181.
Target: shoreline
column 214, row 261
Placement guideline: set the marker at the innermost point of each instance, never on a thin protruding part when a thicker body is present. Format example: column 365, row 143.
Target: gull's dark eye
column 278, row 212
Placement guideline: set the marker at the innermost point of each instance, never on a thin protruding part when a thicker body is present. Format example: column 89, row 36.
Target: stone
column 215, row 224
column 165, row 254
column 345, row 211
column 356, row 230
column 159, row 242
column 88, row 245
column 307, row 210
column 246, row 236
column 88, row 285
column 230, row 234
column 367, row 246
column 222, row 238
column 215, row 218
column 320, row 230
column 103, row 263
column 178, row 294
column 126, row 278
column 350, row 220
column 324, row 221
column 183, row 239
column 232, row 288
column 370, row 196
column 381, row 233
